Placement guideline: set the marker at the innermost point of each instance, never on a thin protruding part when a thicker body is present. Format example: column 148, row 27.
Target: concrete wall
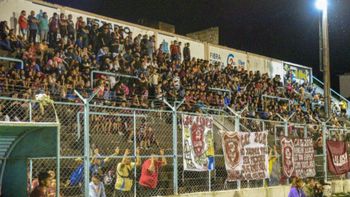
column 337, row 186
column 278, row 191
column 210, row 35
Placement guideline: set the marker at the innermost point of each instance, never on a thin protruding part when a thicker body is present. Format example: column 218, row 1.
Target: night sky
column 283, row 29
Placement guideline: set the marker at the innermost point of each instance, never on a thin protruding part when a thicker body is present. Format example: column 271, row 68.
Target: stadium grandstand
column 129, row 103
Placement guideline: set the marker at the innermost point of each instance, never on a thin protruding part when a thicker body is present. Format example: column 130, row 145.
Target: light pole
column 324, row 50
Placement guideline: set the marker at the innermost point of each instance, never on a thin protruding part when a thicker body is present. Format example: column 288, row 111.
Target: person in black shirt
column 187, row 52
column 70, row 27
column 104, row 38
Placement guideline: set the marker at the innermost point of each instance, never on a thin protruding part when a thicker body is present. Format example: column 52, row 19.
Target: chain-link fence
column 145, row 134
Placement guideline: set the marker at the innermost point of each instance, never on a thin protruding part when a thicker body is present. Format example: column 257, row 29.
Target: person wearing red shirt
column 149, row 173
column 23, row 24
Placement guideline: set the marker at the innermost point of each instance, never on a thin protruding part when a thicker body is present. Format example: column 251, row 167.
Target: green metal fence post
column 175, row 156
column 30, row 111
column 237, row 120
column 86, row 139
column 86, row 148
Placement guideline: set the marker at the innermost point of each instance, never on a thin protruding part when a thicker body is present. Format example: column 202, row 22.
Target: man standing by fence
column 149, row 174
column 125, row 174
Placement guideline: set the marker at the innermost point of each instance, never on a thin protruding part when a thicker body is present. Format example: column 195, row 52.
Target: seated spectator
column 148, row 139
column 5, row 43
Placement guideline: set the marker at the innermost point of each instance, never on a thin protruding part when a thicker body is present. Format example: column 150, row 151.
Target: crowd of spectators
column 60, row 54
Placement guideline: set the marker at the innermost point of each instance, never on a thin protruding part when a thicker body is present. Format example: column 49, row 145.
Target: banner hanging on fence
column 337, row 157
column 198, row 146
column 245, row 155
column 298, row 157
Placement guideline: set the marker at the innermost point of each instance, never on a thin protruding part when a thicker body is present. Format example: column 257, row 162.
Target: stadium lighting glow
column 321, row 4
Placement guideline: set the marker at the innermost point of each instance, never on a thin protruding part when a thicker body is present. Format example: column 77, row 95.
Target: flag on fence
column 198, row 144
column 245, row 155
column 337, row 157
column 298, row 157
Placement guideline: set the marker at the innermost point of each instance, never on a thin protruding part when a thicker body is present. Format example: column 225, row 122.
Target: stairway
column 336, row 97
column 5, row 144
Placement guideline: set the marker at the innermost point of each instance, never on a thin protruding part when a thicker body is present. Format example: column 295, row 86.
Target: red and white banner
column 337, row 157
column 245, row 155
column 197, row 142
column 298, row 157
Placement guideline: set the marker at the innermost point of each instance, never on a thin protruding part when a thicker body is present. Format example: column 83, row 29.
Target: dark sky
column 283, row 29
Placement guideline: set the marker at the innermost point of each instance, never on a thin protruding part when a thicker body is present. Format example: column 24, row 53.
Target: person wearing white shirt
column 96, row 187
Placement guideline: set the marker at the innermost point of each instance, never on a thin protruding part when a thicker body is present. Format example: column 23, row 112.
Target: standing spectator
column 79, row 23
column 23, row 24
column 343, row 107
column 179, row 51
column 124, row 174
column 51, row 190
column 174, row 51
column 44, row 184
column 274, row 167
column 149, row 174
column 63, row 26
column 296, row 189
column 96, row 187
column 150, row 47
column 33, row 26
column 53, row 30
column 104, row 38
column 165, row 47
column 186, row 52
column 44, row 27
column 70, row 28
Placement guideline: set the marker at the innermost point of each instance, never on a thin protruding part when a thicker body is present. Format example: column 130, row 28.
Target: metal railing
column 13, row 60
column 334, row 94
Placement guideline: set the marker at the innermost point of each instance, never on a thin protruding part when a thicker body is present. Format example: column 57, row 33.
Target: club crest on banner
column 245, row 155
column 198, row 143
column 232, row 149
column 298, row 157
column 287, row 154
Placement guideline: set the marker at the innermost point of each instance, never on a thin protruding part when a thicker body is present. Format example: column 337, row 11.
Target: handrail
column 219, row 90
column 109, row 74
column 332, row 91
column 13, row 60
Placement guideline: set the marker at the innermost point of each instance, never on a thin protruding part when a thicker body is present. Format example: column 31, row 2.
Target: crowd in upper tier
column 59, row 55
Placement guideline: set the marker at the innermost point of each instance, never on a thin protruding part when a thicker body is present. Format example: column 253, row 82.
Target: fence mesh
column 113, row 130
